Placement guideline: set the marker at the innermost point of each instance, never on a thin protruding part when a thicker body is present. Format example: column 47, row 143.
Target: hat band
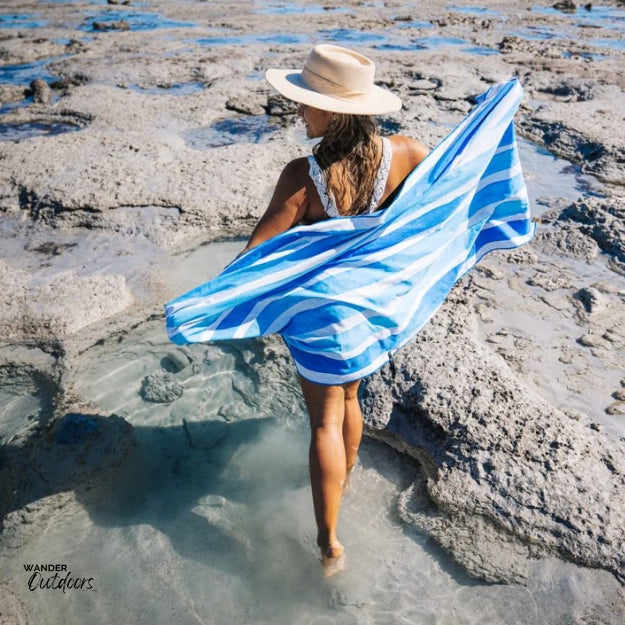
column 324, row 86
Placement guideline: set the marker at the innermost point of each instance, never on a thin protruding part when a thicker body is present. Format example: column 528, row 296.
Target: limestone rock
column 40, row 91
column 161, row 387
column 495, row 454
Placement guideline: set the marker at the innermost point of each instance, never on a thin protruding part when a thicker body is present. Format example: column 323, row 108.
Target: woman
column 353, row 171
column 356, row 283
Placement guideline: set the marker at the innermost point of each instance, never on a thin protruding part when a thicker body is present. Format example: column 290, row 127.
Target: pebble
column 423, row 85
column 494, row 273
column 161, row 388
column 591, row 299
column 245, row 105
column 214, row 501
column 548, row 282
column 485, row 313
column 119, row 25
column 41, row 91
column 177, row 360
column 616, row 408
column 591, row 340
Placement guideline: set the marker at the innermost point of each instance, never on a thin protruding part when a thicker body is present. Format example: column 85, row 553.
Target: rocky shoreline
column 131, row 136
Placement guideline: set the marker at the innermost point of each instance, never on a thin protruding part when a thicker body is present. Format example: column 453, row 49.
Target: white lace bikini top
column 327, row 199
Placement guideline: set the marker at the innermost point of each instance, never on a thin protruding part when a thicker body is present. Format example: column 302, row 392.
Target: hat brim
column 290, row 84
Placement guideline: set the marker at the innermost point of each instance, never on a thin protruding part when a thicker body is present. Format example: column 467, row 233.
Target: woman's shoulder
column 295, row 173
column 408, row 149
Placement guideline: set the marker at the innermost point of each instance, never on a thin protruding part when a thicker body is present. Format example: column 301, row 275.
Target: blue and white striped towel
column 347, row 292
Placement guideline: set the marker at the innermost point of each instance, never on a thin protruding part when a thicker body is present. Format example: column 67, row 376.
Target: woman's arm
column 288, row 204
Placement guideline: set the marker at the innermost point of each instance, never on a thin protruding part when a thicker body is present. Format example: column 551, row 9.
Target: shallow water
column 249, row 39
column 344, row 36
column 239, row 129
column 24, row 73
column 474, row 10
column 178, row 89
column 21, row 20
column 548, row 176
column 136, row 21
column 17, row 131
column 291, row 8
column 210, row 521
column 600, row 16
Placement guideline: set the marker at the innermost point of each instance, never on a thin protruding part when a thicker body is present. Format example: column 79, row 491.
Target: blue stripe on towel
column 347, row 292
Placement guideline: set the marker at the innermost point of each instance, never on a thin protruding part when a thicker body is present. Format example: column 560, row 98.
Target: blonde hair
column 349, row 157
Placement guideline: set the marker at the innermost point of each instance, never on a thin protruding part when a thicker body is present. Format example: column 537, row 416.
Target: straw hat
column 335, row 79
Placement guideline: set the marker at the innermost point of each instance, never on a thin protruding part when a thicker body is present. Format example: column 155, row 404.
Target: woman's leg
column 328, row 456
column 352, row 425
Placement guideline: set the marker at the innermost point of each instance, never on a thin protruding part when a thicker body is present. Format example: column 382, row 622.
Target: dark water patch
column 397, row 47
column 346, row 36
column 617, row 44
column 113, row 20
column 251, row 39
column 431, row 43
column 21, row 20
column 410, row 23
column 291, row 8
column 243, row 129
column 599, row 16
column 589, row 56
column 17, row 131
column 536, row 33
column 549, row 176
column 7, row 107
column 388, row 126
column 181, row 88
column 481, row 50
column 24, row 73
column 473, row 10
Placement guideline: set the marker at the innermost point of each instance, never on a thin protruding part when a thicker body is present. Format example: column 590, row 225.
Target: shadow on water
column 216, row 492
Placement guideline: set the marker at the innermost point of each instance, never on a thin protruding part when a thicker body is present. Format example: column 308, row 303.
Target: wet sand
column 133, row 168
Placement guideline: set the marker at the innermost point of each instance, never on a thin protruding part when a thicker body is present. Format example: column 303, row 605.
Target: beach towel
column 347, row 292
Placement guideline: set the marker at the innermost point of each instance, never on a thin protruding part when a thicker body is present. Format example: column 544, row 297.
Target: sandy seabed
column 138, row 146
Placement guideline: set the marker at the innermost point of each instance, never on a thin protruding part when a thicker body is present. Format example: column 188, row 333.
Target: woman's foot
column 333, row 559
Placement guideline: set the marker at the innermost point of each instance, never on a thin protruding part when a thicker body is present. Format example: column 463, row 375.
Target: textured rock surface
column 57, row 305
column 102, row 213
column 497, row 457
column 78, row 452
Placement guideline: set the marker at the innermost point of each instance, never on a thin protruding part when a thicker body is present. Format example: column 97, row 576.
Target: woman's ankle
column 329, row 545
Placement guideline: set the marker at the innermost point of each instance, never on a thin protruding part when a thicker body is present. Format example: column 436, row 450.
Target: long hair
column 349, row 158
